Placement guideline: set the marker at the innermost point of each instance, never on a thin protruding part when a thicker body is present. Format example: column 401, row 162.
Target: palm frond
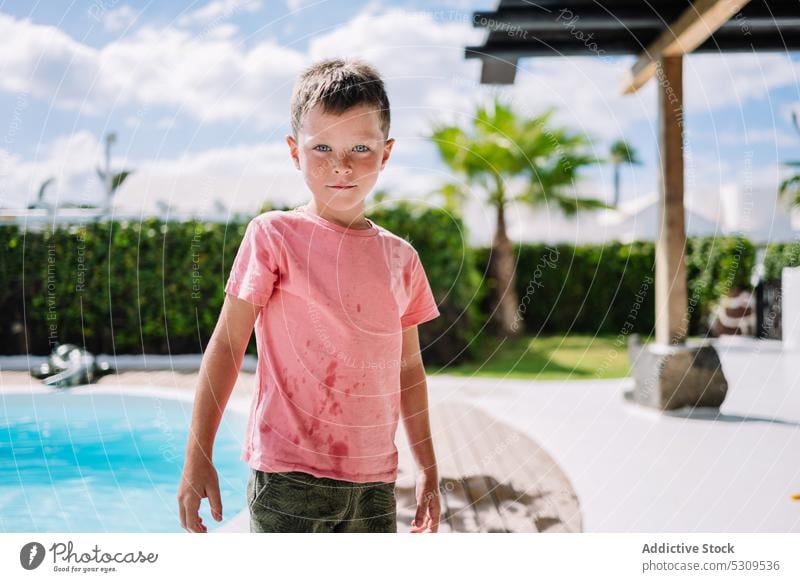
column 500, row 146
column 118, row 178
column 789, row 190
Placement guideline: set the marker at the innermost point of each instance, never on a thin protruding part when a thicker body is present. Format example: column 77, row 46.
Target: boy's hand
column 199, row 480
column 426, row 519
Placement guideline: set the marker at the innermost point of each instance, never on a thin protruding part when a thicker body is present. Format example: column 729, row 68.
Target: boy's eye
column 361, row 148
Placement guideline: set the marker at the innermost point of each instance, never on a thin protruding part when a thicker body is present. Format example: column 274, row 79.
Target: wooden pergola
column 659, row 32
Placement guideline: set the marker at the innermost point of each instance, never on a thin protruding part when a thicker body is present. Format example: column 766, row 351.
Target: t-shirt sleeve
column 422, row 304
column 255, row 268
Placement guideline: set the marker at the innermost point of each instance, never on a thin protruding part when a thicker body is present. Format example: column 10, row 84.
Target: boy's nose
column 342, row 168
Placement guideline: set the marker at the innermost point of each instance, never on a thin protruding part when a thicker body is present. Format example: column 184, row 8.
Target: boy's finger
column 433, row 518
column 422, row 510
column 215, row 501
column 198, row 524
column 420, row 525
column 435, row 513
column 182, row 515
column 192, row 509
column 421, row 528
column 429, row 522
column 186, row 517
column 433, row 525
column 415, row 526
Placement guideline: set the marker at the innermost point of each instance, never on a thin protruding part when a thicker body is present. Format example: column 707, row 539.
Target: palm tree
column 790, row 188
column 111, row 180
column 40, row 203
column 498, row 150
column 621, row 153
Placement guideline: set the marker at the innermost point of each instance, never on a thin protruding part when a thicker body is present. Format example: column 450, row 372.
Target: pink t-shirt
column 333, row 303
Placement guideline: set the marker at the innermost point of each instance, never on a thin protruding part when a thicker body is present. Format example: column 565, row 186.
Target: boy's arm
column 218, row 372
column 414, row 410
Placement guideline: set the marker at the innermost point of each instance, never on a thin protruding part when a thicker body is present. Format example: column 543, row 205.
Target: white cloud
column 224, row 31
column 421, row 55
column 786, row 110
column 585, row 92
column 166, row 122
column 71, row 160
column 756, row 135
column 133, row 121
column 736, row 79
column 213, row 77
column 401, row 43
column 243, row 176
column 119, row 19
column 218, row 11
column 210, row 77
column 294, row 5
column 233, row 161
column 420, row 58
column 48, row 64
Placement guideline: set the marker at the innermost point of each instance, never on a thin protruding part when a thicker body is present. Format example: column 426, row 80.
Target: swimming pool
column 73, row 461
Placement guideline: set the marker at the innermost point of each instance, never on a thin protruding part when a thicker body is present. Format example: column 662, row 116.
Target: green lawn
column 572, row 357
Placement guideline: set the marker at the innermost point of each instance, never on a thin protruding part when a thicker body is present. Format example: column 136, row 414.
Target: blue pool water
column 72, row 462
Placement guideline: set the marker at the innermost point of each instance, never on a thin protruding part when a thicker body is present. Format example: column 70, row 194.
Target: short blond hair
column 337, row 85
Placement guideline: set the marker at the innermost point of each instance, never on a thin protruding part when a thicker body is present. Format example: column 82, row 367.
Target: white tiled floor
column 637, row 470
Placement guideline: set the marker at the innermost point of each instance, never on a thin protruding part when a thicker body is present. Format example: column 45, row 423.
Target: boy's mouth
column 342, row 186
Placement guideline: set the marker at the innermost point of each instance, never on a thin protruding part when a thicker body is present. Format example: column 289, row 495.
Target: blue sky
column 200, row 90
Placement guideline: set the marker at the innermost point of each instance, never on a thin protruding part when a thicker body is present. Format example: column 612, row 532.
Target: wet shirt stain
column 329, row 335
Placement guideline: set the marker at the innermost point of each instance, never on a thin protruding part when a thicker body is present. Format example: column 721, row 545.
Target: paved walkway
column 637, row 470
column 493, row 477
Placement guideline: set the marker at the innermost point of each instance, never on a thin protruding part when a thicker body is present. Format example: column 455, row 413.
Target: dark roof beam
column 498, row 21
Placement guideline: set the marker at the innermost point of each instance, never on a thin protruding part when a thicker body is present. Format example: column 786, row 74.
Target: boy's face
column 340, row 150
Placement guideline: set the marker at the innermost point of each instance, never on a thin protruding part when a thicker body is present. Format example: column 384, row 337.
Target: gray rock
column 673, row 377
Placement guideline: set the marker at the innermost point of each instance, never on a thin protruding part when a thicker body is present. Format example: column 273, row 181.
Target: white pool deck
column 635, row 469
column 639, row 470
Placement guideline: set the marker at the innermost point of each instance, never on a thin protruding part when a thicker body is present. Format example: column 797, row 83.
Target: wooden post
column 671, row 296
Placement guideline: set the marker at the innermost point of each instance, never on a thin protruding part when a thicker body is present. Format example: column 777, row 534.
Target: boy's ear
column 387, row 151
column 293, row 150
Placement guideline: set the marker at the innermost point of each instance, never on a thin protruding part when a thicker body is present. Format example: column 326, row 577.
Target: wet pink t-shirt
column 329, row 335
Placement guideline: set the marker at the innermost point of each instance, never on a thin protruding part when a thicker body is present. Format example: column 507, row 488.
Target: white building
column 756, row 214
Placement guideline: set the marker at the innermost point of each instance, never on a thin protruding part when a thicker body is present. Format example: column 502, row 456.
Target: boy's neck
column 353, row 219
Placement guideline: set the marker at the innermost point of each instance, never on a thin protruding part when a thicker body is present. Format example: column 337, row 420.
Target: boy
column 336, row 301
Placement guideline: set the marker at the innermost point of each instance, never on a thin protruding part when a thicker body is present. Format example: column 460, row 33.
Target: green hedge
column 581, row 288
column 778, row 256
column 450, row 265
column 118, row 287
column 156, row 287
column 610, row 288
column 714, row 266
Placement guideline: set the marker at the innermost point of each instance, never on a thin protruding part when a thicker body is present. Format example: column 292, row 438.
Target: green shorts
column 294, row 502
